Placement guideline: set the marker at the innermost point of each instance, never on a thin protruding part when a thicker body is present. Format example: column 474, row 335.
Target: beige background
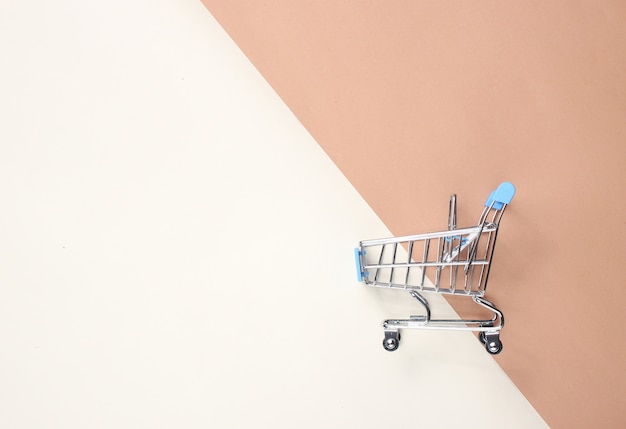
column 414, row 100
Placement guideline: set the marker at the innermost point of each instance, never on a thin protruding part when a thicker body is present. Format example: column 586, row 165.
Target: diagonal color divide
column 175, row 248
column 415, row 100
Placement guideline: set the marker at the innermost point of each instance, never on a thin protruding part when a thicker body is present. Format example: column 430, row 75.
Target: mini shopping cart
column 452, row 262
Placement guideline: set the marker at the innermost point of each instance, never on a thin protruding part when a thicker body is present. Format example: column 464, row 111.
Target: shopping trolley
column 452, row 262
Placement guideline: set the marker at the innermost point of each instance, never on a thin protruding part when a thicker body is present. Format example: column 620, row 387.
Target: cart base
column 489, row 329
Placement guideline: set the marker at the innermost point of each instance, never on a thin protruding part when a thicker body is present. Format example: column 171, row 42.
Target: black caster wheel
column 391, row 341
column 493, row 345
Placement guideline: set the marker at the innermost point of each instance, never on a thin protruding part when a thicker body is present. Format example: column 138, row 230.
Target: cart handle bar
column 501, row 196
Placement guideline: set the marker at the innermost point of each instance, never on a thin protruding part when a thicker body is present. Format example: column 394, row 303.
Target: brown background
column 415, row 100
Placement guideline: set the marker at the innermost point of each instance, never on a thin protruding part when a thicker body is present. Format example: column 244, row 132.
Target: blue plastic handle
column 357, row 259
column 502, row 195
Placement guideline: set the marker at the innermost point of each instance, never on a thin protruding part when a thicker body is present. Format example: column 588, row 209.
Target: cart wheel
column 494, row 346
column 391, row 344
column 391, row 341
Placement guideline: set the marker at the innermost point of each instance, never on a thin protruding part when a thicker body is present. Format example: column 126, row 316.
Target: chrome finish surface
column 451, row 262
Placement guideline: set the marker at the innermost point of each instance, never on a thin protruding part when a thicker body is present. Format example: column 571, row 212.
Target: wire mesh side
column 452, row 262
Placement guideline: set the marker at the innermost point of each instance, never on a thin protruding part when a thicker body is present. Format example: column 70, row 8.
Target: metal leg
column 391, row 342
column 497, row 314
column 490, row 334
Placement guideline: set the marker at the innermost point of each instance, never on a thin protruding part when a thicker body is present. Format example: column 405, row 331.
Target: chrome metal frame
column 452, row 262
